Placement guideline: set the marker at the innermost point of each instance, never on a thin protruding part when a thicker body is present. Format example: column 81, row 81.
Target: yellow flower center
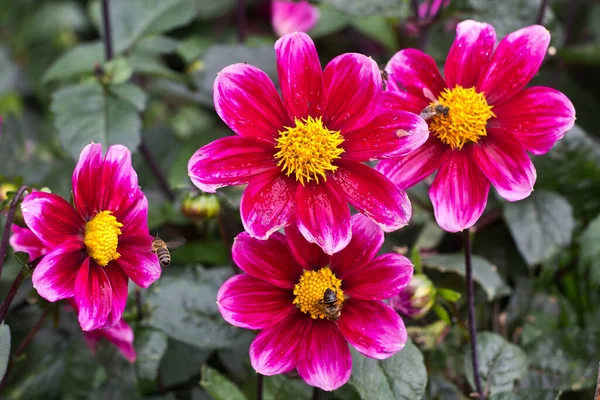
column 310, row 292
column 466, row 120
column 308, row 149
column 102, row 237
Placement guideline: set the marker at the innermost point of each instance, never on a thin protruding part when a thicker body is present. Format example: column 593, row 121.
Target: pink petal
column 135, row 220
column 373, row 195
column 93, row 295
column 121, row 335
column 142, row 267
column 470, row 51
column 367, row 239
column 506, row 164
column 246, row 100
column 231, row 160
column 268, row 204
column 293, row 16
column 412, row 70
column 299, row 71
column 51, row 219
column 352, row 91
column 516, row 60
column 373, row 328
column 118, row 191
column 390, row 134
column 325, row 366
column 396, row 99
column 459, row 191
column 23, row 239
column 85, row 180
column 537, row 116
column 54, row 277
column 383, row 278
column 323, row 216
column 268, row 260
column 308, row 255
column 118, row 282
column 250, row 303
column 275, row 349
column 411, row 169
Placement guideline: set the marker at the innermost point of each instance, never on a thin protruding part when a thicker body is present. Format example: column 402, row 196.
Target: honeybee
column 161, row 249
column 331, row 305
column 433, row 109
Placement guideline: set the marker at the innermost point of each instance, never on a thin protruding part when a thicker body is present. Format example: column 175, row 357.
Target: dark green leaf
column 500, row 363
column 78, row 60
column 279, row 387
column 88, row 113
column 389, row 8
column 150, row 346
column 449, row 294
column 4, row 348
column 218, row 386
column 587, row 54
column 206, row 252
column 589, row 256
column 442, row 314
column 402, row 376
column 181, row 363
column 484, row 272
column 185, row 309
column 540, row 225
column 528, row 394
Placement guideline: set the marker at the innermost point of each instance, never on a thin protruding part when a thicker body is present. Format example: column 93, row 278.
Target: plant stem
column 541, row 12
column 23, row 346
column 156, row 171
column 242, row 22
column 10, row 216
column 415, row 9
column 259, row 387
column 108, row 48
column 471, row 311
column 14, row 288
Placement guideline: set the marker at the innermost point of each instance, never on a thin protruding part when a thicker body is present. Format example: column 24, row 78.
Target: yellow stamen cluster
column 102, row 237
column 311, row 289
column 466, row 120
column 308, row 149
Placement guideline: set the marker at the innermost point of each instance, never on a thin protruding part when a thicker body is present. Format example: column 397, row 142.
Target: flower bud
column 201, row 206
column 416, row 299
column 5, row 188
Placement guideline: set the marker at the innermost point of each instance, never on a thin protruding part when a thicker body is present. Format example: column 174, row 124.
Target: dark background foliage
column 536, row 262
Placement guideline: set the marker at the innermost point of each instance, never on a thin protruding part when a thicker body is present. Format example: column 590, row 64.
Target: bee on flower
column 302, row 155
column 491, row 122
column 309, row 305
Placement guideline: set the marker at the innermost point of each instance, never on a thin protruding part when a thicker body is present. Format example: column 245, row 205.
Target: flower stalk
column 471, row 312
column 14, row 288
column 10, row 216
column 541, row 12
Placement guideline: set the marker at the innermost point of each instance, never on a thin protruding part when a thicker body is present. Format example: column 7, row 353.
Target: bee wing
column 175, row 243
column 427, row 93
column 426, row 114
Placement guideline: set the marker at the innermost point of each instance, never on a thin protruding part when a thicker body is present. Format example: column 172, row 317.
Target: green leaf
column 150, row 346
column 500, row 363
column 378, row 28
column 181, row 363
column 402, row 376
column 4, row 348
column 118, row 70
column 184, row 308
column 130, row 93
column 585, row 54
column 589, row 252
column 88, row 113
column 211, row 252
column 449, row 294
column 484, row 272
column 22, row 258
column 330, row 21
column 279, row 387
column 528, row 394
column 218, row 386
column 540, row 225
column 442, row 314
column 132, row 19
column 362, row 8
column 78, row 60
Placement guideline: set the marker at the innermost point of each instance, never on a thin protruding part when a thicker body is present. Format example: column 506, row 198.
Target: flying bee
column 331, row 305
column 161, row 249
column 433, row 109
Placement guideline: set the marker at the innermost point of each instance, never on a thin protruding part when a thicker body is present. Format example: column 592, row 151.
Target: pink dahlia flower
column 491, row 121
column 302, row 156
column 98, row 243
column 309, row 304
column 293, row 16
